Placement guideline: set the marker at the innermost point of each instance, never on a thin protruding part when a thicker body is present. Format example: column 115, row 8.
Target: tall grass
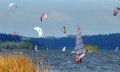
column 16, row 63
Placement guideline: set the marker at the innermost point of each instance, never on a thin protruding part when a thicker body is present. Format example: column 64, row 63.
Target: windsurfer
column 78, row 60
column 80, row 47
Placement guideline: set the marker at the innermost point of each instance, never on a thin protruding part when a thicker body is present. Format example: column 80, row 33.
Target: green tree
column 91, row 48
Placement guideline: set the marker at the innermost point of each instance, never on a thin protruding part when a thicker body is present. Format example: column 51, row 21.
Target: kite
column 12, row 5
column 14, row 33
column 39, row 30
column 116, row 11
column 43, row 15
column 64, row 29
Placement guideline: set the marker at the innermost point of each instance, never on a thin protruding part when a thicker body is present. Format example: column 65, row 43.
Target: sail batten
column 78, row 39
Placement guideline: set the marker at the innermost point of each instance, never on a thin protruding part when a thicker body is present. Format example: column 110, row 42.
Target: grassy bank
column 16, row 63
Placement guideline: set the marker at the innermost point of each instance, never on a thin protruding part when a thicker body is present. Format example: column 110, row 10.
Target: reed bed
column 16, row 63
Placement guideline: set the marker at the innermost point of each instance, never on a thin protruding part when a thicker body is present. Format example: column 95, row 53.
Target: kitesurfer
column 116, row 11
column 63, row 29
column 40, row 18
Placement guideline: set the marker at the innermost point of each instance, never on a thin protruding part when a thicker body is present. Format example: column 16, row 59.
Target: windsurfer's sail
column 36, row 49
column 63, row 48
column 79, row 48
column 116, row 48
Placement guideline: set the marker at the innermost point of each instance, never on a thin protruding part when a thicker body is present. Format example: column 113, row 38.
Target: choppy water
column 109, row 61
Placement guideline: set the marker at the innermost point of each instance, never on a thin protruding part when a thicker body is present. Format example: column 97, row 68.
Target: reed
column 16, row 63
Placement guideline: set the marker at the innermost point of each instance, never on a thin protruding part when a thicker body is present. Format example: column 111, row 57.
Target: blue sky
column 94, row 17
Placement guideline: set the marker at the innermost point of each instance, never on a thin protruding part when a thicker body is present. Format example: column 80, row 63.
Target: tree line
column 104, row 42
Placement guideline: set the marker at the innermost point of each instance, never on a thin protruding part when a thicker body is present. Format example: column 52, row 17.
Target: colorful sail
column 116, row 11
column 79, row 48
column 14, row 33
column 43, row 15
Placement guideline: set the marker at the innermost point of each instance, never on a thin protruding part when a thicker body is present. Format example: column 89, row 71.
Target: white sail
column 64, row 48
column 36, row 49
column 116, row 48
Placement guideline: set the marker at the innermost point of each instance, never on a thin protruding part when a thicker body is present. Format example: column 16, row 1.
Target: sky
column 93, row 16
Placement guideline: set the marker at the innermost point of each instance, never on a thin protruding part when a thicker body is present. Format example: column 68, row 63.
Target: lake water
column 58, row 61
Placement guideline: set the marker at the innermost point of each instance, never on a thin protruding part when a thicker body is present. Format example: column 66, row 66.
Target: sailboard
column 79, row 46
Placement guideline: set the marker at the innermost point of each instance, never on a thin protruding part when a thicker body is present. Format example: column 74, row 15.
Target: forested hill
column 9, row 37
column 104, row 42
